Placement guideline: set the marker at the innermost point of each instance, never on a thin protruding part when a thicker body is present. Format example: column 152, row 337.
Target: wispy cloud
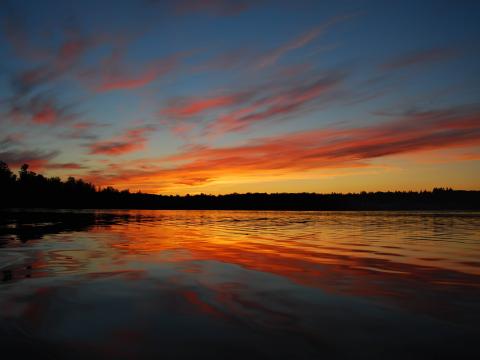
column 237, row 111
column 82, row 130
column 37, row 159
column 130, row 141
column 295, row 153
column 45, row 115
column 14, row 153
column 189, row 107
column 419, row 57
column 127, row 83
column 10, row 140
column 32, row 85
column 65, row 166
column 123, row 80
column 60, row 61
column 113, row 73
column 280, row 103
column 301, row 41
column 40, row 109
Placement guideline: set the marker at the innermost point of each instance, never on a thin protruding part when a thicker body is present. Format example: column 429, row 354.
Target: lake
column 239, row 284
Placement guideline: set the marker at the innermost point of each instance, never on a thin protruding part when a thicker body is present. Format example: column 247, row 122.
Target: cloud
column 132, row 140
column 13, row 153
column 45, row 115
column 71, row 51
column 128, row 82
column 35, row 158
column 419, row 57
column 282, row 102
column 194, row 106
column 40, row 109
column 65, row 166
column 60, row 62
column 238, row 111
column 114, row 74
column 24, row 82
column 82, row 130
column 32, row 86
column 296, row 153
column 10, row 140
column 303, row 40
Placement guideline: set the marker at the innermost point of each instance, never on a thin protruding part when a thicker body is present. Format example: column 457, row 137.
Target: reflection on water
column 233, row 284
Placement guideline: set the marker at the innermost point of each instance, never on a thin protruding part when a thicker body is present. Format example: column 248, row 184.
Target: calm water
column 237, row 285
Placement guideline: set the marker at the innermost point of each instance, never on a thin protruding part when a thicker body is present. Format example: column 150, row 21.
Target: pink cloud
column 194, row 106
column 132, row 140
column 122, row 83
column 71, row 51
column 298, row 152
column 46, row 115
column 40, row 111
column 281, row 103
column 240, row 110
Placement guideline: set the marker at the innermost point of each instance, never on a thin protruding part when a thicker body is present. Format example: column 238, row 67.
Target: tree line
column 28, row 189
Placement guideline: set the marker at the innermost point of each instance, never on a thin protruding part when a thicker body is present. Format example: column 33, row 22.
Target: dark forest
column 31, row 190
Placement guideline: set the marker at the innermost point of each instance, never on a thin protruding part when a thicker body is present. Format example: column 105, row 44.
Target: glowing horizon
column 219, row 96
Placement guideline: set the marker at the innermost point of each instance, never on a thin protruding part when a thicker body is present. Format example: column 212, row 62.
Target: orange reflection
column 377, row 255
column 339, row 253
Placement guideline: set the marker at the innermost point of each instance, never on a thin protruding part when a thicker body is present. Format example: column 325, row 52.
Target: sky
column 218, row 96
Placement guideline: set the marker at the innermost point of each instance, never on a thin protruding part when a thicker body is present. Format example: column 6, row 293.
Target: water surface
column 239, row 284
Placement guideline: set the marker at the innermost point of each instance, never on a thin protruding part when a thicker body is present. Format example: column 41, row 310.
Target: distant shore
column 31, row 190
column 438, row 199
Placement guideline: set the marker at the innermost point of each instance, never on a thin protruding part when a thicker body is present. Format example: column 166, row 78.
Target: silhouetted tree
column 7, row 177
column 29, row 189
